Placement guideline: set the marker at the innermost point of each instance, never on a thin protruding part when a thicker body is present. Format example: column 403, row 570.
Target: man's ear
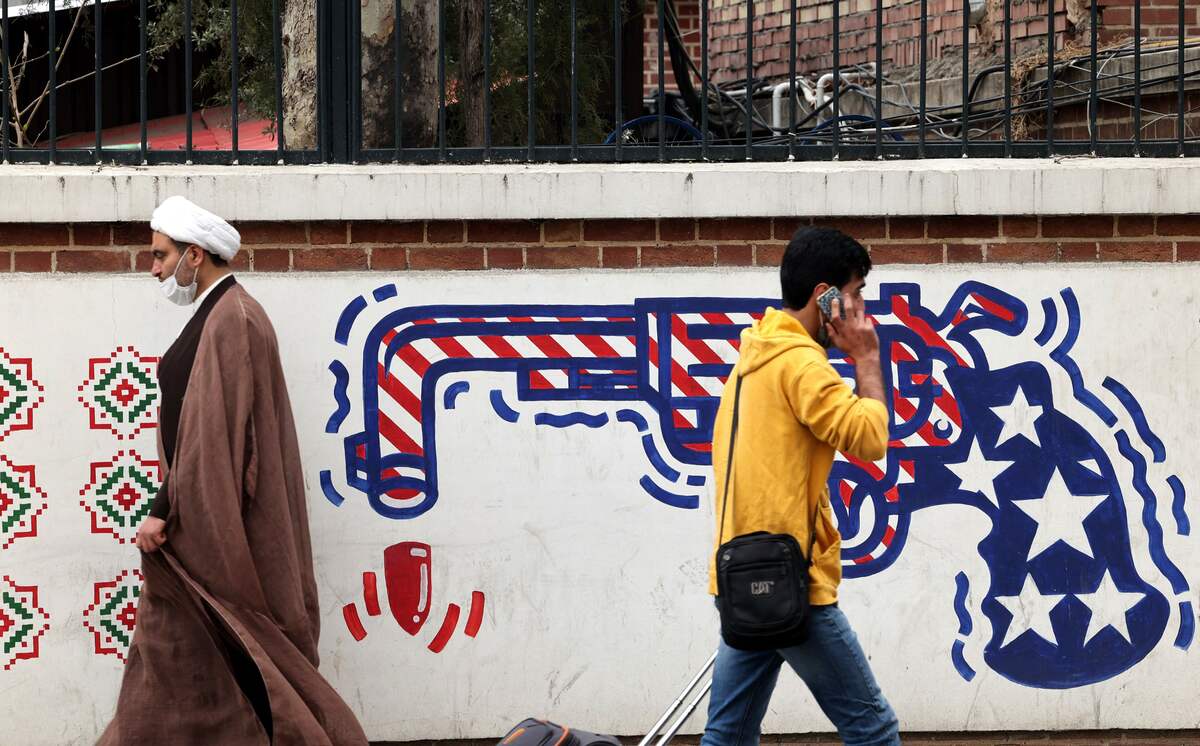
column 818, row 291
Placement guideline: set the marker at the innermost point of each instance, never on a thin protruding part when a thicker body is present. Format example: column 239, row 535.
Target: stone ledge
column 1068, row 186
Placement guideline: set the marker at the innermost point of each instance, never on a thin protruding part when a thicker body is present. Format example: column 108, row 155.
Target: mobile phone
column 825, row 303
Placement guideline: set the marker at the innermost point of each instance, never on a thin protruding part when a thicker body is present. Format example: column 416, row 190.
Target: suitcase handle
column 678, row 707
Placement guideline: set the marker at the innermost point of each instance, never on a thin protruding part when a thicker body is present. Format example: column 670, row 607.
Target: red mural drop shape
column 408, row 579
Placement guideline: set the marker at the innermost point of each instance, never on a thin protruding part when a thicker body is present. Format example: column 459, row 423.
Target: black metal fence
column 863, row 112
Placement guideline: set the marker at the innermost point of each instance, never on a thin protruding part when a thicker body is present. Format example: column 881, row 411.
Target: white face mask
column 180, row 295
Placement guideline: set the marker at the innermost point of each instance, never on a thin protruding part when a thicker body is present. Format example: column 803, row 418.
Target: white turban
column 188, row 223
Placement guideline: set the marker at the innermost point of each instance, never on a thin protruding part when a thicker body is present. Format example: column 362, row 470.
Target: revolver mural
column 988, row 410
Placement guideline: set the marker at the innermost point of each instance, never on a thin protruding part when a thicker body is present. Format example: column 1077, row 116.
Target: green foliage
column 552, row 63
column 212, row 21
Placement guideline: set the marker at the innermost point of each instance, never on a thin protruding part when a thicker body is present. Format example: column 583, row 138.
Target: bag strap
column 737, row 398
column 733, row 431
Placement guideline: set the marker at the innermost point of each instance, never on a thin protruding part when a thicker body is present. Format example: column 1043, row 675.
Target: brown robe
column 225, row 648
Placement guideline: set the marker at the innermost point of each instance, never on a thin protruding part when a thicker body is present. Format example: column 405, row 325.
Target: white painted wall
column 596, row 606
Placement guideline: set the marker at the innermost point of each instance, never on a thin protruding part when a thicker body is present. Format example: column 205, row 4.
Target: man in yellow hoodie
column 796, row 412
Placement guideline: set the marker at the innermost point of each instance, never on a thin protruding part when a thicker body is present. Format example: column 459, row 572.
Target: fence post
column 336, row 47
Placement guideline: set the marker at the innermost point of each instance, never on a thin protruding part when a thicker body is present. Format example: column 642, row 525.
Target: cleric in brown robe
column 225, row 648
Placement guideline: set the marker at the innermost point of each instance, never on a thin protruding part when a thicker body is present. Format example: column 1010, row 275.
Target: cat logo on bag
column 762, row 587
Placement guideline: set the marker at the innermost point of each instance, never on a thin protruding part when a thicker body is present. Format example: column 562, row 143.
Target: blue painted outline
column 329, row 490
column 568, row 420
column 686, row 502
column 660, row 464
column 341, row 384
column 385, row 292
column 1062, row 357
column 346, row 320
column 1182, row 525
column 962, row 585
column 960, row 661
column 1139, row 418
column 503, row 411
column 1158, row 552
column 452, row 392
column 1187, row 626
column 1051, row 323
column 634, row 418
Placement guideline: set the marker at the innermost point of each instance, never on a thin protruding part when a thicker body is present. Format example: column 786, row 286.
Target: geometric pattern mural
column 20, row 394
column 21, row 502
column 120, row 494
column 22, row 622
column 112, row 615
column 121, row 393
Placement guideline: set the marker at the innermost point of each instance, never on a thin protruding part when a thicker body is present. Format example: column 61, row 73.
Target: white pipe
column 777, row 100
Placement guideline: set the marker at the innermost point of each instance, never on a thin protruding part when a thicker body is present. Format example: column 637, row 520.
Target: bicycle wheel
column 644, row 131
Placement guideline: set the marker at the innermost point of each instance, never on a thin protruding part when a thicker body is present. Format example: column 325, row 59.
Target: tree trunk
column 300, row 74
column 418, row 73
column 470, row 93
column 419, row 88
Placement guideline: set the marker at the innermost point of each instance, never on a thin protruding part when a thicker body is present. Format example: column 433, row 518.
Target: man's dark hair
column 816, row 255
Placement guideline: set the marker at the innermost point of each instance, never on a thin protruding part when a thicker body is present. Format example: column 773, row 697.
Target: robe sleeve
column 161, row 507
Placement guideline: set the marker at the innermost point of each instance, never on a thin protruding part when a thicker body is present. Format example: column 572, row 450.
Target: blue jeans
column 830, row 662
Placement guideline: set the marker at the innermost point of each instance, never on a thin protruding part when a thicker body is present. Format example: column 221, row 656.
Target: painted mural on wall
column 120, row 395
column 511, row 502
column 1077, row 486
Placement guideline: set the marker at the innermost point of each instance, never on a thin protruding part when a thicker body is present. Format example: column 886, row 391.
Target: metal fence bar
column 704, row 79
column 618, row 114
column 277, row 56
column 531, row 46
column 1181, row 104
column 1137, row 77
column 749, row 100
column 99, row 81
column 397, row 78
column 966, row 78
column 233, row 98
column 879, row 79
column 143, row 98
column 487, row 80
column 187, row 72
column 53, row 85
column 1094, row 91
column 1049, row 78
column 662, row 83
column 923, row 92
column 4, row 113
column 354, row 60
column 837, row 77
column 792, row 86
column 441, row 77
column 574, row 82
column 1008, row 49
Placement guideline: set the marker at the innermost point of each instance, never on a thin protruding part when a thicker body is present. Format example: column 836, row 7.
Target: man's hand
column 151, row 535
column 855, row 335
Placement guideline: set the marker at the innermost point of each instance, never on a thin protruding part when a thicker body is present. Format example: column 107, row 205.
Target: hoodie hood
column 771, row 336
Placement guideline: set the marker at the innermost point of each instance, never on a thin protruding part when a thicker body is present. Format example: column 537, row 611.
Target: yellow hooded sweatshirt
column 796, row 411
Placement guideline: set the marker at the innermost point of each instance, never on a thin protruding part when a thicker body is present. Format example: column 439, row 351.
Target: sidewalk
column 1058, row 738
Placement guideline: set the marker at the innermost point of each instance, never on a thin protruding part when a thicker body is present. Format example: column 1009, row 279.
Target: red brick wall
column 622, row 244
column 902, row 45
column 689, row 28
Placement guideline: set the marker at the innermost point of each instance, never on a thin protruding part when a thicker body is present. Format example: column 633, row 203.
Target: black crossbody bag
column 762, row 578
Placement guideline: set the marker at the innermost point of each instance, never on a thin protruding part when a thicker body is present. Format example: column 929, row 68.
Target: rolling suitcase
column 533, row 732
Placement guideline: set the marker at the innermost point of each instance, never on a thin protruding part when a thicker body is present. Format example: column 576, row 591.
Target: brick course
column 617, row 244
